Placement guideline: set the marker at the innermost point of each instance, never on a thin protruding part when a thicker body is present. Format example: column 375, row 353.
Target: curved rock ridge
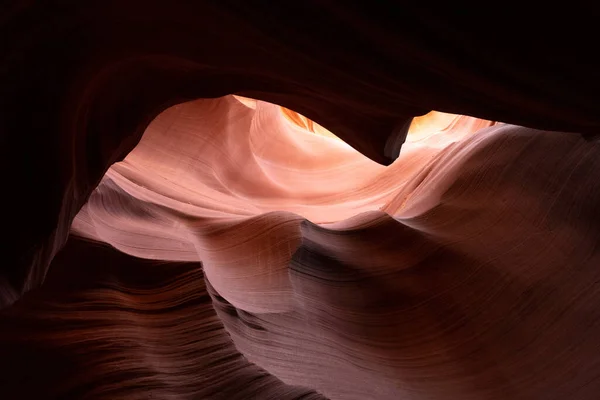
column 228, row 183
column 466, row 269
column 118, row 327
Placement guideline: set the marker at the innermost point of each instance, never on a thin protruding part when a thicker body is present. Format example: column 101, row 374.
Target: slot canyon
column 298, row 200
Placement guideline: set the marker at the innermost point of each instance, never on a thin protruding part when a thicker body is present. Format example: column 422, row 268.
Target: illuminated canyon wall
column 170, row 240
column 281, row 263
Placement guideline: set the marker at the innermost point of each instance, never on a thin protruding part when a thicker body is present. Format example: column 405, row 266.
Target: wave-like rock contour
column 466, row 269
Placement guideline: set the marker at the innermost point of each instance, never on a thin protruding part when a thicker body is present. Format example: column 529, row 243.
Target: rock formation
column 172, row 239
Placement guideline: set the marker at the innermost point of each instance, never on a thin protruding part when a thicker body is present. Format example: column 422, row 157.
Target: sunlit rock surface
column 466, row 269
column 232, row 183
column 243, row 252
